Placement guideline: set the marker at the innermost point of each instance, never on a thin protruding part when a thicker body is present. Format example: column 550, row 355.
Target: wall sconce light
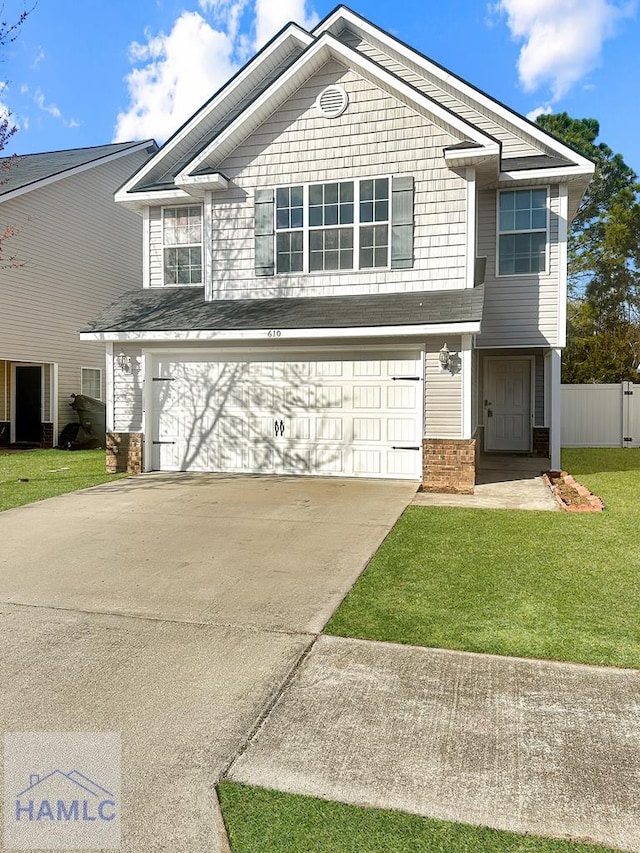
column 444, row 356
column 123, row 362
column 449, row 361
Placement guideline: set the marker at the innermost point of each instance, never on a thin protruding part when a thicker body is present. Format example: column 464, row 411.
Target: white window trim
column 183, row 245
column 546, row 230
column 306, row 229
column 82, row 391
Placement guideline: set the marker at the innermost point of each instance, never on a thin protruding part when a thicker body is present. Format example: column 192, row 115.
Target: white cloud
column 562, row 38
column 178, row 71
column 183, row 69
column 52, row 109
column 272, row 15
column 542, row 110
column 39, row 59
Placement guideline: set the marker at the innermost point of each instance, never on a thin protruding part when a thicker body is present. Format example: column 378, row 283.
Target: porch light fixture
column 124, row 362
column 444, row 357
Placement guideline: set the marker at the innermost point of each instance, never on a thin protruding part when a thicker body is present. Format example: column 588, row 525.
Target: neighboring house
column 75, row 250
column 354, row 265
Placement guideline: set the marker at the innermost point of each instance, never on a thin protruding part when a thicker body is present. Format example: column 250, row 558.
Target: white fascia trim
column 142, row 199
column 563, row 232
column 215, row 181
column 75, row 170
column 471, row 156
column 334, row 49
column 284, row 334
column 559, row 172
column 366, row 28
column 293, row 32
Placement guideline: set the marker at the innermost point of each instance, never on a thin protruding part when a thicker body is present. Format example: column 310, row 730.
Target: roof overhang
column 342, row 15
column 282, row 44
column 355, row 333
column 323, row 49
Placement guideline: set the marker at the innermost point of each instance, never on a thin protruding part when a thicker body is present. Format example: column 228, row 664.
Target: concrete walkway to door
column 171, row 609
column 502, row 482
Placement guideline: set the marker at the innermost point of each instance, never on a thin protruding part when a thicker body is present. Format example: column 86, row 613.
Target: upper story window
column 333, row 226
column 522, row 231
column 182, row 245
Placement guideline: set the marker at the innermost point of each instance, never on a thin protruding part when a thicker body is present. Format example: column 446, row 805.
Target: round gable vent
column 332, row 101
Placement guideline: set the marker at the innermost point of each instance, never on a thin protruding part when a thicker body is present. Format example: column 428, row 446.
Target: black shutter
column 401, row 222
column 264, row 232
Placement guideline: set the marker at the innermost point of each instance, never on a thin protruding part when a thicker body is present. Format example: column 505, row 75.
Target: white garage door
column 301, row 414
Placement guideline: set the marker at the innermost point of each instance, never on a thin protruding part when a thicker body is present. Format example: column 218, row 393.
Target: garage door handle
column 279, row 427
column 406, row 378
column 395, row 447
column 164, row 442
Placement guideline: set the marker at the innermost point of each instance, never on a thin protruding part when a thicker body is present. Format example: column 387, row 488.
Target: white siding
column 156, row 278
column 514, row 142
column 443, row 392
column 518, row 310
column 128, row 390
column 79, row 251
column 376, row 135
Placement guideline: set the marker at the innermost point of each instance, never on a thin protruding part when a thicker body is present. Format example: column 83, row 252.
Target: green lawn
column 37, row 474
column 560, row 586
column 261, row 821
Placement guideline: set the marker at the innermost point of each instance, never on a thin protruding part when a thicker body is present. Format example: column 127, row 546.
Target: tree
column 603, row 332
column 8, row 34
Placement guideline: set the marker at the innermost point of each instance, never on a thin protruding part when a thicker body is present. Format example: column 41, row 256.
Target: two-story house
column 354, row 265
column 69, row 250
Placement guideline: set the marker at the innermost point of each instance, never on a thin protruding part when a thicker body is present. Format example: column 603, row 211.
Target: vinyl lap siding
column 156, row 276
column 377, row 135
column 127, row 409
column 518, row 310
column 513, row 144
column 443, row 393
column 80, row 251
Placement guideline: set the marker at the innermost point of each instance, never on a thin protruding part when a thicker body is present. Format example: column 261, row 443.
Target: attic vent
column 333, row 101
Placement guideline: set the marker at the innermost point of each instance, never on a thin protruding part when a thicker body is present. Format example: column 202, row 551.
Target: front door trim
column 488, row 360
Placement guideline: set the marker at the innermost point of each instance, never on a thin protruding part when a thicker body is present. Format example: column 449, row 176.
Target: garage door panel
column 296, row 416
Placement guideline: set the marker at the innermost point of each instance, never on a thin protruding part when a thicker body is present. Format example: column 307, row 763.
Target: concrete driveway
column 171, row 609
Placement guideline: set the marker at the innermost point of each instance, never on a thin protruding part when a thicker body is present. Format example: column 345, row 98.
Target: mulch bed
column 570, row 495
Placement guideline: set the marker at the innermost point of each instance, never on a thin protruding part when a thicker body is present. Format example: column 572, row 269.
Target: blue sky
column 88, row 73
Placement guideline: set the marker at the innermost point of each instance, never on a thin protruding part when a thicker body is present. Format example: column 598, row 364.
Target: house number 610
column 274, row 333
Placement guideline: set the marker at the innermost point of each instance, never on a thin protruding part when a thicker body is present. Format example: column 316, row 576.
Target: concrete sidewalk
column 529, row 746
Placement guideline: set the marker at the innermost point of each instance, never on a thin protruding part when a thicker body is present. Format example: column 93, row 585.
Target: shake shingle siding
column 377, row 135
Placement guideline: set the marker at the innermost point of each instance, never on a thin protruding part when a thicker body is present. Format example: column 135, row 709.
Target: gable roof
column 25, row 172
column 260, row 87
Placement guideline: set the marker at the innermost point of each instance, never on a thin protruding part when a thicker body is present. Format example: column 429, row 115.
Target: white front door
column 332, row 414
column 507, row 405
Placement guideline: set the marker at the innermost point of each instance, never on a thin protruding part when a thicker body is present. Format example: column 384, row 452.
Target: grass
column 259, row 820
column 38, row 474
column 560, row 586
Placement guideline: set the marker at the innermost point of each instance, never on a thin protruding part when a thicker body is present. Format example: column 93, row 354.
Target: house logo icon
column 64, row 797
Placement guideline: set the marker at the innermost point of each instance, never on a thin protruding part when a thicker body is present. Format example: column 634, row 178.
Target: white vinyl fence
column 600, row 415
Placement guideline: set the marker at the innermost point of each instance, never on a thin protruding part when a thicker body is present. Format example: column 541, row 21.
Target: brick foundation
column 541, row 442
column 124, row 452
column 449, row 465
column 5, row 433
column 46, row 434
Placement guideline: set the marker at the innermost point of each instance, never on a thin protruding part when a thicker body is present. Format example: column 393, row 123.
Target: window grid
column 522, row 231
column 91, row 382
column 182, row 245
column 333, row 226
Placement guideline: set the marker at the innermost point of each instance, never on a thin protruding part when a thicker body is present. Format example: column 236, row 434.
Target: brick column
column 124, row 452
column 541, row 442
column 46, row 434
column 449, row 465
